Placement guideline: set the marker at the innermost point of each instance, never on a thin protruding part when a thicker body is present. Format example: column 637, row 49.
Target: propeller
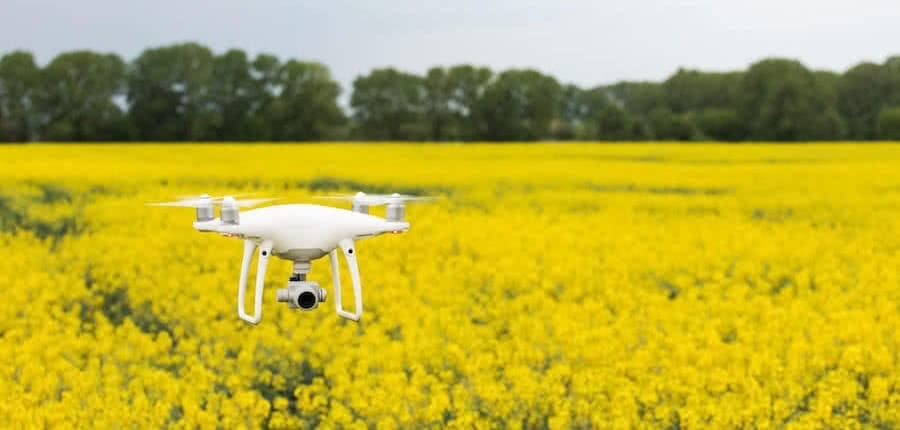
column 237, row 196
column 203, row 200
column 376, row 199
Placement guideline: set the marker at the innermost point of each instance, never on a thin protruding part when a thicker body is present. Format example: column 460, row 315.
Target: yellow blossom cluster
column 550, row 286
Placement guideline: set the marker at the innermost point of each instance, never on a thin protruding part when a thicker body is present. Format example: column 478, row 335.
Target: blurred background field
column 551, row 286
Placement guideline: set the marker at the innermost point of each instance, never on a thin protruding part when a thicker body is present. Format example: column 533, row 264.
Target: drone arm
column 349, row 255
column 265, row 249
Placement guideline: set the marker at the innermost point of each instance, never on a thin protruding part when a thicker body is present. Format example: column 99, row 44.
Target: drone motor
column 395, row 204
column 360, row 204
column 395, row 210
column 230, row 213
column 205, row 210
column 205, row 207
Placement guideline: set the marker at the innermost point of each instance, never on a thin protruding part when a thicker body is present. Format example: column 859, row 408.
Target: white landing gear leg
column 265, row 250
column 349, row 250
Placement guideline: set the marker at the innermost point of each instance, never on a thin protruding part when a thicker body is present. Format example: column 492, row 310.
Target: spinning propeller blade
column 201, row 196
column 376, row 199
column 246, row 203
column 193, row 202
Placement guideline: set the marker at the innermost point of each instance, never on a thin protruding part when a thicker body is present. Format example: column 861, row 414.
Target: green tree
column 782, row 100
column 720, row 124
column 306, row 106
column 19, row 82
column 692, row 90
column 234, row 98
column 77, row 98
column 451, row 101
column 667, row 125
column 613, row 123
column 830, row 124
column 889, row 123
column 438, row 108
column 451, row 97
column 862, row 91
column 892, row 77
column 169, row 94
column 390, row 105
column 184, row 92
column 579, row 112
column 264, row 71
column 638, row 98
column 467, row 85
column 571, row 113
column 519, row 105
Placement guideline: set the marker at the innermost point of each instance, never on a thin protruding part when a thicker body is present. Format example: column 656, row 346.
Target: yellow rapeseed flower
column 554, row 286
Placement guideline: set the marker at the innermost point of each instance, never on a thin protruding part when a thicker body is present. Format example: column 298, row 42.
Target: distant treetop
column 186, row 92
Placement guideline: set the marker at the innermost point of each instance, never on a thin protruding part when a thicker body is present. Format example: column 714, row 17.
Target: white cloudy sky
column 581, row 41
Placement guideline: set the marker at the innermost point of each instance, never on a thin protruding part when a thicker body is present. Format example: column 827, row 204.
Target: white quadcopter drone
column 299, row 233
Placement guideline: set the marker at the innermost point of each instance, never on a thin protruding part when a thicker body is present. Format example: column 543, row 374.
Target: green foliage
column 389, row 105
column 892, row 72
column 862, row 92
column 438, row 114
column 667, row 125
column 18, row 213
column 467, row 85
column 889, row 124
column 584, row 113
column 613, row 123
column 720, row 124
column 168, row 93
column 638, row 98
column 782, row 100
column 306, row 107
column 692, row 90
column 519, row 105
column 185, row 92
column 236, row 95
column 76, row 98
column 19, row 81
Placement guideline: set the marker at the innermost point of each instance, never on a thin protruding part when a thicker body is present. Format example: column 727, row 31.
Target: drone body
column 302, row 231
column 299, row 233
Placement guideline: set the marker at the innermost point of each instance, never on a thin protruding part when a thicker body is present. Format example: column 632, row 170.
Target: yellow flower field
column 551, row 286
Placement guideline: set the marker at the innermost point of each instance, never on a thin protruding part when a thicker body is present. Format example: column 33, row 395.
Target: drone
column 299, row 233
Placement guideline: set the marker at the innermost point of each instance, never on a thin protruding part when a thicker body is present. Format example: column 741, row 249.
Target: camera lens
column 306, row 300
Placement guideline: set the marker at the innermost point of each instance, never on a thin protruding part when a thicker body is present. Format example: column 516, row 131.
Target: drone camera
column 302, row 295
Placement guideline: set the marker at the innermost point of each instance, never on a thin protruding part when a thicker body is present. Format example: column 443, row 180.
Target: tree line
column 185, row 92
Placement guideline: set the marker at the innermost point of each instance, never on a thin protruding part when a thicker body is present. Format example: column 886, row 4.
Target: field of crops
column 559, row 286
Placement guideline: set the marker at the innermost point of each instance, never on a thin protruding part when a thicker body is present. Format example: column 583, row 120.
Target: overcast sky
column 580, row 41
